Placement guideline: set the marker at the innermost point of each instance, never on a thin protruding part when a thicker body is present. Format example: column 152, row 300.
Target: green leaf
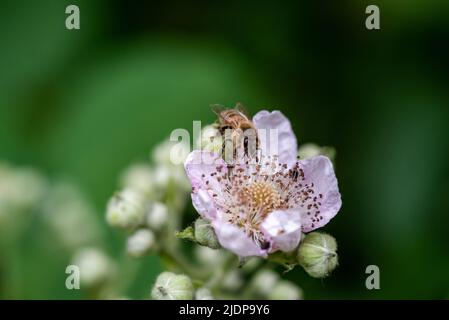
column 186, row 234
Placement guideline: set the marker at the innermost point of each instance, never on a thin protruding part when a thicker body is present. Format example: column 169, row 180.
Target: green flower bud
column 126, row 209
column 285, row 290
column 203, row 294
column 95, row 267
column 205, row 234
column 309, row 150
column 170, row 286
column 317, row 254
column 157, row 216
column 140, row 243
column 139, row 177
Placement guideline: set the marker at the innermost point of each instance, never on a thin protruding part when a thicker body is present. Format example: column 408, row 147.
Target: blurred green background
column 82, row 105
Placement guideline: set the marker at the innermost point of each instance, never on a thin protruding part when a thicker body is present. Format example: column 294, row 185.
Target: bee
column 237, row 130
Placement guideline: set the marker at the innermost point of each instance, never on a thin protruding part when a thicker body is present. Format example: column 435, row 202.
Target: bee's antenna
column 217, row 108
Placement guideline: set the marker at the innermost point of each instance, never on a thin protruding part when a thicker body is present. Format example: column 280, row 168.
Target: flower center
column 262, row 195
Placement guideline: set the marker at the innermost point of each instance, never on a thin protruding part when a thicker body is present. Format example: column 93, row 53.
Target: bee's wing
column 241, row 108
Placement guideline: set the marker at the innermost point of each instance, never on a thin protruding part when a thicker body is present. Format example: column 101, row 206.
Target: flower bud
column 95, row 267
column 210, row 139
column 125, row 209
column 139, row 177
column 209, row 257
column 171, row 177
column 203, row 294
column 162, row 177
column 140, row 243
column 157, row 216
column 317, row 254
column 205, row 234
column 309, row 150
column 233, row 280
column 263, row 282
column 170, row 286
column 171, row 152
column 20, row 188
column 285, row 290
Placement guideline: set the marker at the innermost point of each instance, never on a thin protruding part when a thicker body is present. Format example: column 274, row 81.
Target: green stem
column 178, row 262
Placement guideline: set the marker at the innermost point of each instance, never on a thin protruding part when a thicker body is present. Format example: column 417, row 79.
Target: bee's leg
column 245, row 146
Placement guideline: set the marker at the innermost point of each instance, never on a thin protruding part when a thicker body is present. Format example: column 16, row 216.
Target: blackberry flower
column 259, row 207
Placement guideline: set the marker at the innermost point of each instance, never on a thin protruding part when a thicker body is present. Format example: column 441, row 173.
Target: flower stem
column 178, row 262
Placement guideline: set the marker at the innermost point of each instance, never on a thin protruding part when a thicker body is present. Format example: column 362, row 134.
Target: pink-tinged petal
column 203, row 203
column 199, row 166
column 235, row 240
column 318, row 171
column 282, row 229
column 283, row 144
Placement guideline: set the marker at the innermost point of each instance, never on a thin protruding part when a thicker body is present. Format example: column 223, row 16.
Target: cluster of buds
column 149, row 203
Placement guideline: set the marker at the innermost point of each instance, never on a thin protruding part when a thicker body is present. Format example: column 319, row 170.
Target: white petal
column 283, row 144
column 319, row 171
column 199, row 166
column 235, row 240
column 282, row 229
column 204, row 204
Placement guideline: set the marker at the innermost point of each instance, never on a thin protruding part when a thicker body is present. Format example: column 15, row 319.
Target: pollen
column 262, row 195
